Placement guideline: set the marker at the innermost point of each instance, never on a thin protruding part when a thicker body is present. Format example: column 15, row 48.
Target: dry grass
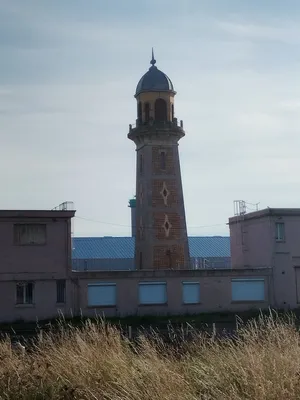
column 95, row 362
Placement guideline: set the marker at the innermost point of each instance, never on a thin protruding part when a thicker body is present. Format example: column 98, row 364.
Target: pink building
column 35, row 264
column 37, row 281
column 270, row 238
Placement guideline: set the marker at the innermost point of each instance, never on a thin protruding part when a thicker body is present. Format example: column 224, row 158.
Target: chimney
column 132, row 205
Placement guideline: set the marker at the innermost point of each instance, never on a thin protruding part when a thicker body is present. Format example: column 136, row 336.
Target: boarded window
column 61, row 291
column 30, row 234
column 102, row 294
column 153, row 293
column 160, row 110
column 280, row 231
column 191, row 292
column 24, row 293
column 248, row 289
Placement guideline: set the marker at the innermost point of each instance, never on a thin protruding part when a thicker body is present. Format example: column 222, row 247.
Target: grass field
column 95, row 362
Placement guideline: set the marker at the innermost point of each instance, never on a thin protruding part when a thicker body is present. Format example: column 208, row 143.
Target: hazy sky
column 68, row 72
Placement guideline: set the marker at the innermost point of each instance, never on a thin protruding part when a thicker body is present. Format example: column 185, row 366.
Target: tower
column 161, row 236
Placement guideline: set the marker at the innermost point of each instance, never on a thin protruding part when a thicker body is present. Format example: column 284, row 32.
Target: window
column 140, row 112
column 141, row 260
column 24, row 293
column 61, row 291
column 163, row 160
column 191, row 292
column 248, row 289
column 141, row 163
column 29, row 234
column 147, row 112
column 102, row 294
column 160, row 110
column 280, row 236
column 153, row 293
column 172, row 109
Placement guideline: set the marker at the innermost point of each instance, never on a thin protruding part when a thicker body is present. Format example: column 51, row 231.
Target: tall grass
column 97, row 362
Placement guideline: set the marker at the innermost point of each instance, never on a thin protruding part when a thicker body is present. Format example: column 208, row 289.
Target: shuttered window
column 191, row 292
column 153, row 293
column 102, row 294
column 248, row 289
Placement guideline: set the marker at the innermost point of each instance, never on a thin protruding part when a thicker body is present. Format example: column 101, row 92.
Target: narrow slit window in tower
column 147, row 112
column 160, row 110
column 163, row 160
column 172, row 109
column 141, row 163
column 140, row 112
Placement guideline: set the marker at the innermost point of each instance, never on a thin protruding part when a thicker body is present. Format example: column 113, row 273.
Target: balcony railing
column 65, row 206
column 156, row 124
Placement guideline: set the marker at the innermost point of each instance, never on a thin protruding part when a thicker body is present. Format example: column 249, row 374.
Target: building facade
column 270, row 238
column 161, row 234
column 35, row 264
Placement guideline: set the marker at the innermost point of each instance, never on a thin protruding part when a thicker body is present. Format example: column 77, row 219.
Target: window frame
column 25, row 285
column 103, row 284
column 277, row 232
column 153, row 283
column 16, row 234
column 191, row 283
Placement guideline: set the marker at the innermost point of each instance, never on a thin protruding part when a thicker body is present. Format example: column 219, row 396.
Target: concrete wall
column 215, row 291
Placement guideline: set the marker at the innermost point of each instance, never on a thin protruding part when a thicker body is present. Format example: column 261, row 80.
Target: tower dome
column 154, row 80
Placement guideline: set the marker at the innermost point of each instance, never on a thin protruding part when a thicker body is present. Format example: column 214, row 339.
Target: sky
column 68, row 73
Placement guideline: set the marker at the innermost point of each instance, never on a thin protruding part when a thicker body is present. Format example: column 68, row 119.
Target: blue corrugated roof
column 123, row 247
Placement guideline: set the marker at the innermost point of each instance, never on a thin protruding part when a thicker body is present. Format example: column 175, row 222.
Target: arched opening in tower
column 147, row 112
column 140, row 116
column 160, row 110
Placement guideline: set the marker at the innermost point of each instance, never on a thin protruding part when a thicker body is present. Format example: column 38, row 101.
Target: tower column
column 161, row 236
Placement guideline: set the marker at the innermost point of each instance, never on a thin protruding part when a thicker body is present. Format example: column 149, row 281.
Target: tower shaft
column 161, row 235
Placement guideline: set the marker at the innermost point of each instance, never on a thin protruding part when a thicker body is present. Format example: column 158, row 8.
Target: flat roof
column 267, row 212
column 37, row 213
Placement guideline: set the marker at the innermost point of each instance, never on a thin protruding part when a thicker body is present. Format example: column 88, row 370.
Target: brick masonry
column 159, row 231
column 157, row 197
column 156, row 160
column 165, row 257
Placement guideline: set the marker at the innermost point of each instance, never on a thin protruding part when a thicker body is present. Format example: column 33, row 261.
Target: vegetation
column 95, row 361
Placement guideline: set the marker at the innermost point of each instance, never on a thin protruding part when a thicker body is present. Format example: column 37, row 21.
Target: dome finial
column 153, row 61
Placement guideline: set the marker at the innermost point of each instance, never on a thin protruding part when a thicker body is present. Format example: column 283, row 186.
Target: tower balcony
column 155, row 128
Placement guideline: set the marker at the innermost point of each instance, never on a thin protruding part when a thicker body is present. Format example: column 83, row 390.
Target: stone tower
column 161, row 236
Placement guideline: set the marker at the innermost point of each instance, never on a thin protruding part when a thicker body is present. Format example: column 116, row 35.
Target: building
column 35, row 263
column 37, row 281
column 270, row 238
column 44, row 271
column 161, row 235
